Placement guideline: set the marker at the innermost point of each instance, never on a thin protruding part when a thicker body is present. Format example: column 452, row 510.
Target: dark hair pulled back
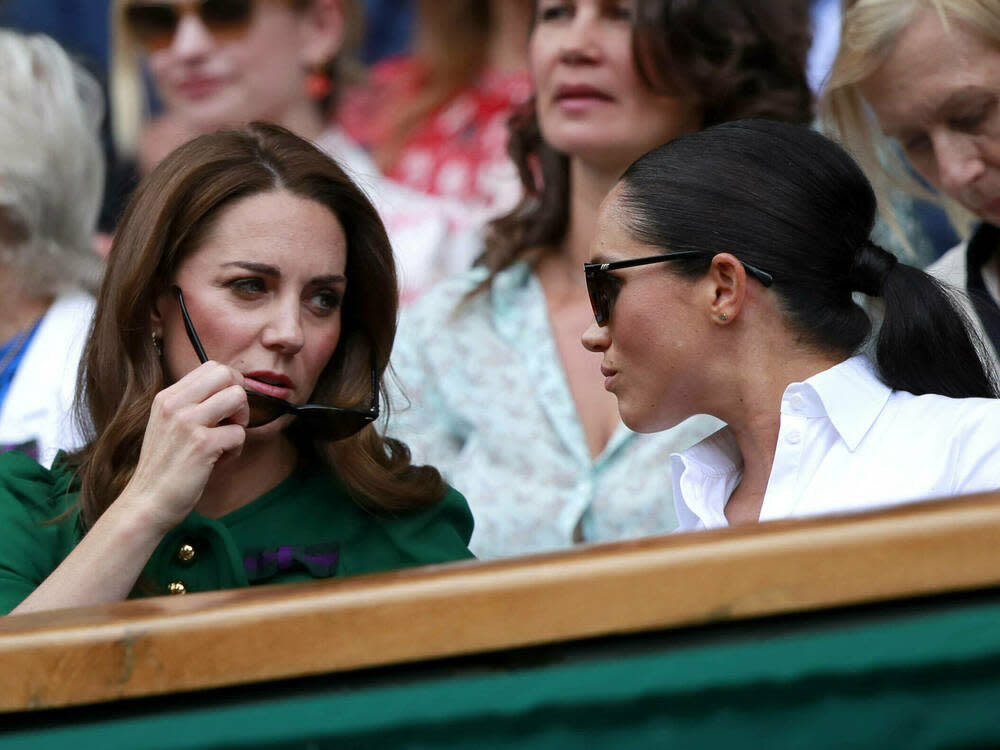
column 735, row 58
column 789, row 200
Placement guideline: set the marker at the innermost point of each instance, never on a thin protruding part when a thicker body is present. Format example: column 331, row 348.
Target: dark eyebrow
column 261, row 268
column 335, row 278
column 266, row 269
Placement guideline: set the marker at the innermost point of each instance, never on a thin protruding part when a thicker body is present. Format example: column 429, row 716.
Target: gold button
column 177, row 588
column 185, row 553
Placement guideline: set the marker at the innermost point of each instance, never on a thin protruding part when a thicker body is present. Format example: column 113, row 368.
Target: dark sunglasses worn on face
column 603, row 288
column 154, row 24
column 322, row 422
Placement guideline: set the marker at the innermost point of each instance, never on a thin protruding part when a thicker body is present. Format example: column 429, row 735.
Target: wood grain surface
column 171, row 644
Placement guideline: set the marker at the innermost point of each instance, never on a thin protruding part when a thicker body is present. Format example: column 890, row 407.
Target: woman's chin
column 646, row 421
column 269, row 431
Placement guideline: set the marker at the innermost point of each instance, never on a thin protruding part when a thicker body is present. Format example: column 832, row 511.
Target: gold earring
column 157, row 345
column 723, row 316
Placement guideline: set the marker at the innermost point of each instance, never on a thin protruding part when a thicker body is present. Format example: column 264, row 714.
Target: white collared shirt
column 847, row 442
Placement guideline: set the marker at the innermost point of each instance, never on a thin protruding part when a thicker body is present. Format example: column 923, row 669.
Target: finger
column 231, row 438
column 202, row 382
column 227, row 405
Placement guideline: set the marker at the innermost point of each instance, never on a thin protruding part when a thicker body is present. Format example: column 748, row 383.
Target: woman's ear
column 156, row 316
column 323, row 28
column 728, row 278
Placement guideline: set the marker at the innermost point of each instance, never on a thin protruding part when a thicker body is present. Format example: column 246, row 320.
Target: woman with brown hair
column 263, row 465
column 504, row 400
column 223, row 63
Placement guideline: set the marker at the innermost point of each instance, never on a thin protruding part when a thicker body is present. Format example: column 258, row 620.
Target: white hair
column 51, row 165
column 869, row 31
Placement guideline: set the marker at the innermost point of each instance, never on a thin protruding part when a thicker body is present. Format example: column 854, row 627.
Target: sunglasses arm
column 189, row 327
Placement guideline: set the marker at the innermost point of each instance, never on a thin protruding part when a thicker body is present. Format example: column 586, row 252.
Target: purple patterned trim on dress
column 319, row 559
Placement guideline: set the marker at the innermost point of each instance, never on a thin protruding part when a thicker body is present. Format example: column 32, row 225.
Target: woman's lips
column 579, row 97
column 270, row 384
column 609, row 376
column 199, row 88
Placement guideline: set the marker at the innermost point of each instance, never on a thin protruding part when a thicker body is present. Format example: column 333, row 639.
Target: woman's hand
column 192, row 425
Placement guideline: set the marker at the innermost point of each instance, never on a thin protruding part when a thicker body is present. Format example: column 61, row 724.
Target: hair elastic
column 872, row 265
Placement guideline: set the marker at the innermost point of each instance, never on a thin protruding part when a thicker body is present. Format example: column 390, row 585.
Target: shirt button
column 177, row 588
column 185, row 553
column 797, row 402
column 794, row 437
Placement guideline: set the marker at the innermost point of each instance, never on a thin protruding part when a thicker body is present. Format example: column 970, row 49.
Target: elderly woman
column 724, row 271
column 262, row 465
column 51, row 179
column 921, row 79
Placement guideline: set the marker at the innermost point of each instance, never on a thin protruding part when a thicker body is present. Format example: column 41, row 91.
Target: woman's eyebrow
column 262, row 268
column 334, row 278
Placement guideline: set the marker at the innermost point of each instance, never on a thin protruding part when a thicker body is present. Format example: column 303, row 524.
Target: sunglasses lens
column 332, row 426
column 600, row 295
column 152, row 24
column 226, row 15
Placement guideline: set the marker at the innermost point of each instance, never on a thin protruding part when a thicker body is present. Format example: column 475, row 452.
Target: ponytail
column 925, row 344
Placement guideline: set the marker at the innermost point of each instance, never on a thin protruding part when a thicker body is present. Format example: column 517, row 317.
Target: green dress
column 307, row 527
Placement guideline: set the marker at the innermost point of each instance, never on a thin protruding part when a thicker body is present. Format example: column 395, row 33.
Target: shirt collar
column 851, row 394
column 704, row 477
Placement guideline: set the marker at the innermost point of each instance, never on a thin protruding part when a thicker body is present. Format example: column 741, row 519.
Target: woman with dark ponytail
column 732, row 259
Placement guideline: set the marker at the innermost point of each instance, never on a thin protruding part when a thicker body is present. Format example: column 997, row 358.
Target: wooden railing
column 198, row 641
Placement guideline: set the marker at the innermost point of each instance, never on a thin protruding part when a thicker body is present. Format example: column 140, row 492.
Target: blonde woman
column 916, row 84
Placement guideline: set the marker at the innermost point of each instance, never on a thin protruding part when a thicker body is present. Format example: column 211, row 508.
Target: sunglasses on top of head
column 153, row 24
column 322, row 422
column 603, row 287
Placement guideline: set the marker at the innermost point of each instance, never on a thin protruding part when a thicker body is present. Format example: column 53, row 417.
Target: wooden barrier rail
column 174, row 644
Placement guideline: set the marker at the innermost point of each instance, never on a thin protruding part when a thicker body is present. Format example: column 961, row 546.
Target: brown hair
column 171, row 211
column 737, row 59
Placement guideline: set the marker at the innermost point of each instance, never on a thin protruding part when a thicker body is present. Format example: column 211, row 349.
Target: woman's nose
column 596, row 338
column 284, row 331
column 192, row 38
column 579, row 43
column 959, row 162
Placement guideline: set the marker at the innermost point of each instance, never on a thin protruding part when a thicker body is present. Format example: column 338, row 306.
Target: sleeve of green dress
column 439, row 534
column 35, row 534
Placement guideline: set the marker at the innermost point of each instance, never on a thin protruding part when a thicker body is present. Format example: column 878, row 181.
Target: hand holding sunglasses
column 322, row 422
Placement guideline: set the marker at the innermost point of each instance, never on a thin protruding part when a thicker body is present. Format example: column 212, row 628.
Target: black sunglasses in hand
column 322, row 422
column 603, row 288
